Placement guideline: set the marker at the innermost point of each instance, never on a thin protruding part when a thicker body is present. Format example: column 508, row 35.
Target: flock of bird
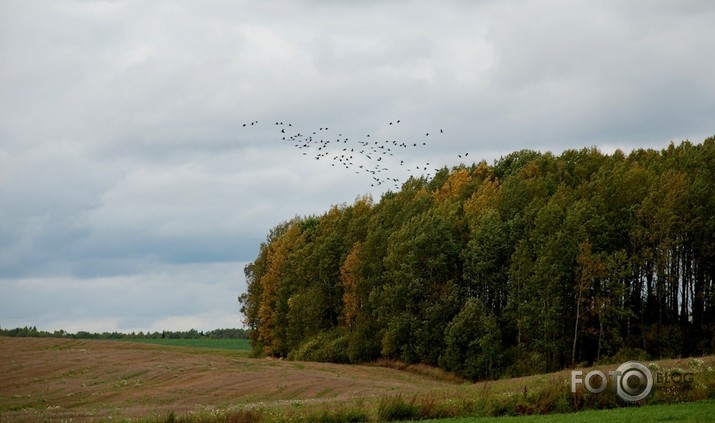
column 363, row 154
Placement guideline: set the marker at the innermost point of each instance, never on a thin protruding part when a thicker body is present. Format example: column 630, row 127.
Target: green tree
column 590, row 268
column 473, row 342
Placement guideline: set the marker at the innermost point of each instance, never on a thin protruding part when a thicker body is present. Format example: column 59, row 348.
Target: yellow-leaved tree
column 349, row 277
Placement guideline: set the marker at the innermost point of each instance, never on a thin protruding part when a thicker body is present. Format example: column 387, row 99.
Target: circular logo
column 634, row 381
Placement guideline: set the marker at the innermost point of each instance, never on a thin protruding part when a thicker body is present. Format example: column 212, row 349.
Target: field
column 224, row 344
column 89, row 380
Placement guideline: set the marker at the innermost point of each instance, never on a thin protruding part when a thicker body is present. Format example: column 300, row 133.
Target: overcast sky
column 131, row 195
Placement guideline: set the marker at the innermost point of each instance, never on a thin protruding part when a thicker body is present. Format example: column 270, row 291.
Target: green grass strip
column 225, row 344
column 699, row 411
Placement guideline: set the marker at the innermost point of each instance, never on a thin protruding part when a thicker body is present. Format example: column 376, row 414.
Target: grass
column 395, row 409
column 224, row 344
column 699, row 411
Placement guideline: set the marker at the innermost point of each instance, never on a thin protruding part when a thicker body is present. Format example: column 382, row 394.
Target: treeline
column 33, row 332
column 528, row 265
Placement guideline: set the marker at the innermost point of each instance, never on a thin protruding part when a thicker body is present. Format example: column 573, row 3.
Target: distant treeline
column 33, row 332
column 528, row 265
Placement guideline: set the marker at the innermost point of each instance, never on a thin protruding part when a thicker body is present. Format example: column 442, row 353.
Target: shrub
column 364, row 341
column 524, row 364
column 627, row 354
column 326, row 347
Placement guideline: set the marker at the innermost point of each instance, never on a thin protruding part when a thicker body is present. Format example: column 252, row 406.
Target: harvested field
column 85, row 379
column 89, row 380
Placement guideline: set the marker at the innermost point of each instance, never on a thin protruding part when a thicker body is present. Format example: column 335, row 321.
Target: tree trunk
column 575, row 330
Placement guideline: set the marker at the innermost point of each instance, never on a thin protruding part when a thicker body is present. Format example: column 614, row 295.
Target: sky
column 132, row 195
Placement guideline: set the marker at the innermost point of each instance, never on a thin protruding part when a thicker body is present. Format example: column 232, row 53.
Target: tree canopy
column 528, row 265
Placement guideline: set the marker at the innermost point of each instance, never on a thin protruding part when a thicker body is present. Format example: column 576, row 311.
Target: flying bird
column 363, row 161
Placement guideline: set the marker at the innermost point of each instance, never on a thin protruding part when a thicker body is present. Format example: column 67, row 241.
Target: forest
column 529, row 265
column 33, row 332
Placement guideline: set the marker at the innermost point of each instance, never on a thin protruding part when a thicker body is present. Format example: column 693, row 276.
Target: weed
column 244, row 416
column 351, row 415
column 395, row 407
column 430, row 408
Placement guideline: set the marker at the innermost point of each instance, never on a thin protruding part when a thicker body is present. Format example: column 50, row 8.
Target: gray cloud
column 165, row 297
column 123, row 156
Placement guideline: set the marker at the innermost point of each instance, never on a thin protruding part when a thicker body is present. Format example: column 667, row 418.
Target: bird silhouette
column 377, row 153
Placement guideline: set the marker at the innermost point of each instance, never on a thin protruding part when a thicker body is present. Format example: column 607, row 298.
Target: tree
column 583, row 253
column 590, row 268
column 349, row 276
column 473, row 342
column 271, row 334
column 422, row 259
